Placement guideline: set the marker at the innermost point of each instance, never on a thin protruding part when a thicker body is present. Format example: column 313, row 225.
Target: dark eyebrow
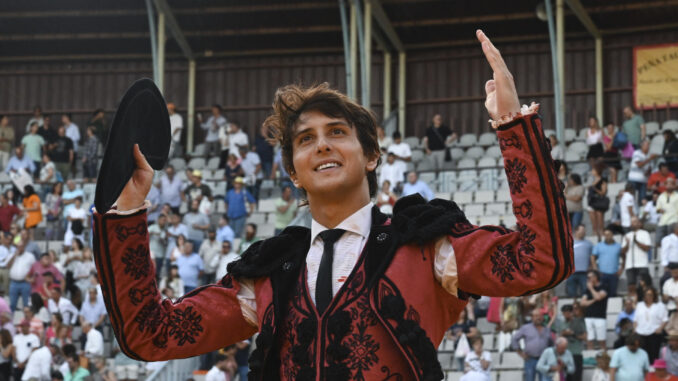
column 330, row 124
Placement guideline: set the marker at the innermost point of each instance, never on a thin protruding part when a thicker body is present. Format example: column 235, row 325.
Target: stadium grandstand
column 417, row 65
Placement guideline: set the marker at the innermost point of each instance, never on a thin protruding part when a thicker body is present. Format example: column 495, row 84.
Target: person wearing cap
column 197, row 190
column 24, row 343
column 239, row 205
column 209, row 250
column 212, row 126
column 660, row 372
column 574, row 330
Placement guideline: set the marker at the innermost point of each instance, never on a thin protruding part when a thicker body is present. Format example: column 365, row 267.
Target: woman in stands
column 477, row 363
column 385, row 198
column 574, row 197
column 32, row 208
column 599, row 187
column 54, row 211
column 594, row 139
column 611, row 154
column 650, row 319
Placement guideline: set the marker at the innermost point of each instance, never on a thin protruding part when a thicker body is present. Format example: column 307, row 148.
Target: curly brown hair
column 292, row 100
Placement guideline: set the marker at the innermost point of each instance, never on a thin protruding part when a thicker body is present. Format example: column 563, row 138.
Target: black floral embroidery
column 137, row 263
column 461, row 227
column 151, row 317
column 122, row 232
column 511, row 141
column 137, row 295
column 527, row 236
column 523, row 210
column 515, row 173
column 363, row 351
column 503, row 262
column 185, row 325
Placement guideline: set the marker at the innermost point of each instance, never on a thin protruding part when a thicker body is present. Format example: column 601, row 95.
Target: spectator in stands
column 670, row 288
column 629, row 362
column 73, row 133
column 46, row 131
column 635, row 249
column 634, row 127
column 598, row 201
column 93, row 310
column 611, row 155
column 574, row 330
column 218, row 372
column 48, row 172
column 285, row 209
column 250, row 237
column 175, row 230
column 59, row 303
column 90, row 155
column 209, row 250
column 239, row 205
column 669, row 253
column 225, row 232
column 233, row 170
column 667, row 206
column 37, row 326
column 236, row 139
column 537, row 338
column 172, row 281
column 37, row 117
column 197, row 224
column 170, row 189
column 651, row 317
column 176, row 125
column 24, row 343
column 628, row 312
column 20, row 161
column 264, row 149
column 660, row 372
column 99, row 123
column 251, row 166
column 6, row 322
column 223, row 258
column 53, row 204
column 38, row 274
column 8, row 213
column 20, row 276
column 197, row 190
column 6, row 140
column 414, row 185
column 437, row 140
column 392, row 172
column 465, row 325
column 670, row 353
column 556, row 361
column 191, row 267
column 401, row 150
column 576, row 283
column 670, row 150
column 62, row 152
column 386, row 199
column 595, row 304
column 640, row 168
column 75, row 371
column 32, row 144
column 384, row 140
column 556, row 149
column 657, row 181
column 574, row 196
column 211, row 126
column 648, row 212
column 594, row 139
column 157, row 237
column 77, row 220
column 627, row 207
column 153, row 198
column 32, row 209
column 478, row 362
column 94, row 344
column 6, row 349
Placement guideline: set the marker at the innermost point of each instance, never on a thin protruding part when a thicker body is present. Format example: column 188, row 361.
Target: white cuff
column 445, row 266
column 145, row 205
column 525, row 110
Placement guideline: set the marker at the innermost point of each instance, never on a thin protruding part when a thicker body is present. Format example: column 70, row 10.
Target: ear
column 371, row 164
column 295, row 180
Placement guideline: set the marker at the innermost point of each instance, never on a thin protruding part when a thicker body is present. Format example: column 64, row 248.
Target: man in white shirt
column 93, row 309
column 212, row 126
column 24, row 343
column 176, row 126
column 58, row 303
column 218, row 372
column 19, row 284
column 175, row 229
column 39, row 364
column 226, row 256
column 209, row 250
column 627, row 207
column 6, row 254
column 170, row 189
column 393, row 172
column 401, row 150
column 667, row 207
column 251, row 165
column 94, row 346
column 639, row 168
column 670, row 288
column 635, row 247
column 236, row 139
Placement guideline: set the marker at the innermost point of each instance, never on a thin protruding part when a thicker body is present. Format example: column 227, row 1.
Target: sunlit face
column 327, row 156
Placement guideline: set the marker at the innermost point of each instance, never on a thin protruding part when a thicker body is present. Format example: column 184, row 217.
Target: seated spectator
column 437, row 140
column 629, row 362
column 537, row 338
column 670, row 288
column 77, row 221
column 6, row 322
column 32, row 208
column 38, row 308
column 635, row 249
column 651, row 317
column 226, row 256
column 74, row 371
column 53, row 205
column 100, row 369
column 36, row 325
column 465, row 326
column 6, row 350
column 574, row 196
column 625, row 329
column 576, row 283
column 253, row 173
column 190, row 267
column 20, row 161
column 602, row 371
column 670, row 353
column 173, row 281
column 414, row 185
column 93, row 310
column 225, row 233
column 628, row 312
column 209, row 251
column 478, row 362
column 573, row 329
column 8, row 213
column 250, row 237
column 60, row 304
column 197, row 224
column 595, row 304
column 670, row 150
column 39, row 272
column 6, row 140
column 648, row 212
column 178, row 249
column 392, row 172
column 643, row 284
column 401, row 150
column 386, row 199
column 39, row 364
column 556, row 360
column 285, row 209
column 94, row 344
column 384, row 141
column 233, row 170
column 657, row 181
column 660, row 372
column 556, row 150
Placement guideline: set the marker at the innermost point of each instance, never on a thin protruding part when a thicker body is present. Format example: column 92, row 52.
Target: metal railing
column 175, row 370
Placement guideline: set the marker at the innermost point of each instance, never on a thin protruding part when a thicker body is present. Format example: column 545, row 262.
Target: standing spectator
column 73, row 133
column 211, row 126
column 595, row 303
column 669, row 253
column 77, row 219
column 89, row 156
column 170, row 189
column 99, row 123
column 233, row 170
column 225, row 256
column 628, row 312
column 611, row 154
column 537, row 339
column 93, row 310
column 157, row 237
column 94, row 344
column 6, row 140
column 634, row 127
column 176, row 125
column 8, row 213
column 574, row 196
column 670, row 288
column 190, row 267
column 640, row 168
column 414, row 185
column 37, row 117
column 197, row 224
column 225, row 232
column 175, row 230
column 438, row 137
column 197, row 190
column 651, row 317
column 32, row 208
column 477, row 364
column 630, row 362
column 386, row 199
column 627, row 207
column 32, row 144
column 48, row 172
column 574, row 330
column 657, row 181
column 75, row 371
column 24, row 343
column 153, row 198
column 224, row 142
column 6, row 349
column 38, row 274
column 285, row 209
column 59, row 303
column 173, row 281
column 401, row 150
column 667, row 206
column 636, row 251
column 670, row 353
column 392, row 172
column 576, row 283
column 53, row 204
column 20, row 276
column 556, row 149
column 251, row 166
column 239, row 205
column 594, row 139
column 209, row 250
column 237, row 138
column 20, row 161
column 556, row 360
column 598, row 201
column 62, row 152
column 384, row 140
column 250, row 237
column 264, row 149
column 670, row 150
column 46, row 131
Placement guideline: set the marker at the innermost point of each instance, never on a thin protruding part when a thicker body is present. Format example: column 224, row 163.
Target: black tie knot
column 331, row 236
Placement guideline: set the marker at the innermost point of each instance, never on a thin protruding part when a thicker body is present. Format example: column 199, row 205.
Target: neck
column 330, row 211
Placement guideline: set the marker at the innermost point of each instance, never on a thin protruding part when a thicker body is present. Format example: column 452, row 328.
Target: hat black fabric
column 141, row 118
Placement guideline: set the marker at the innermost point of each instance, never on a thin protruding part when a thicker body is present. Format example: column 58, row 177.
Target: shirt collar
column 359, row 223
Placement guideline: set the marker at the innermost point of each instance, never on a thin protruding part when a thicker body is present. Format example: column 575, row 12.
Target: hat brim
column 141, row 118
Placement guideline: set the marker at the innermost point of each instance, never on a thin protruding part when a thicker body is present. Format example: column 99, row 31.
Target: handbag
column 596, row 201
column 620, row 140
column 77, row 227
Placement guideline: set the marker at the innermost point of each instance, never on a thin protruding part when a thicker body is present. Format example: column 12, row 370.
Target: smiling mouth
column 325, row 166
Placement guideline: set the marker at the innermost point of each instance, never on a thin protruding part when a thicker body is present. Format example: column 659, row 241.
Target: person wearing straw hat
column 239, row 205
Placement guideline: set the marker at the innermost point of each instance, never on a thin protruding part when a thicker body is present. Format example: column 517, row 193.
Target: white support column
column 560, row 47
column 190, row 117
column 599, row 80
column 161, row 52
column 387, row 84
column 367, row 86
column 354, row 52
column 401, row 93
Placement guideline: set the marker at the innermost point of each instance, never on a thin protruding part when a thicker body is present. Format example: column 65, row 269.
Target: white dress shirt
column 73, row 133
column 95, row 343
column 394, row 173
column 669, row 249
column 215, row 374
column 39, row 365
column 648, row 319
column 635, row 256
column 24, row 345
column 65, row 308
column 21, row 266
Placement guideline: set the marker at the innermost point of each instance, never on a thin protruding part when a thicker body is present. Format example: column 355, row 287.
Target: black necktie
column 323, row 289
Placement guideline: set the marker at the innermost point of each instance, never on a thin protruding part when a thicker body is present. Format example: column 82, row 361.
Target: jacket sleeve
column 147, row 327
column 495, row 261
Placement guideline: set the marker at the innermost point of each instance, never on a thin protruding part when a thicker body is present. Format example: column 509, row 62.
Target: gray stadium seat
column 580, row 148
column 425, row 165
column 466, row 163
column 487, row 162
column 488, row 220
column 178, row 163
column 417, row 155
column 493, row 151
column 474, row 153
column 457, row 153
column 463, row 197
column 267, row 206
column 197, row 163
column 671, row 125
column 487, row 139
column 651, row 128
column 495, row 208
column 429, row 178
column 474, row 210
column 213, row 163
column 571, row 156
column 510, row 360
column 199, row 150
column 509, row 220
column 484, row 196
column 570, row 134
column 413, row 141
column 467, row 140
